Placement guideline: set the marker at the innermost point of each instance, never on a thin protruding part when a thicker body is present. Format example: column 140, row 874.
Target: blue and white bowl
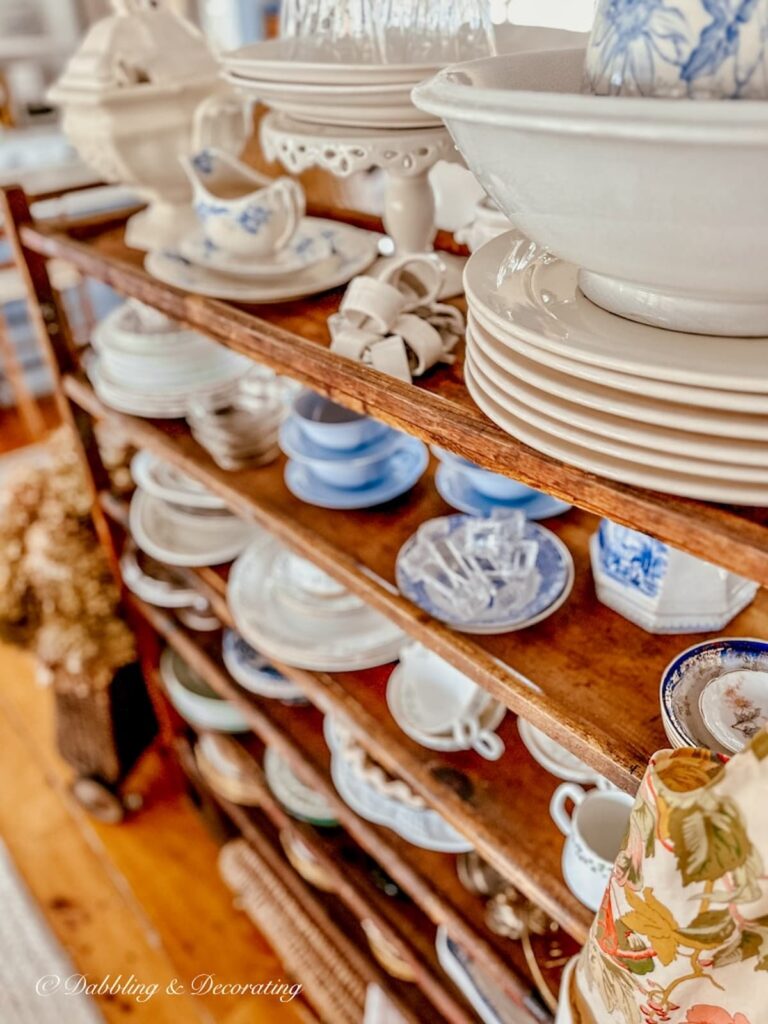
column 333, row 426
column 684, row 679
column 254, row 673
column 661, row 589
column 692, row 49
column 348, row 468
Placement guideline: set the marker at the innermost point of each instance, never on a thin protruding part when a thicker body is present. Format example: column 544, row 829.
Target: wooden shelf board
column 429, row 878
column 597, row 674
column 293, row 338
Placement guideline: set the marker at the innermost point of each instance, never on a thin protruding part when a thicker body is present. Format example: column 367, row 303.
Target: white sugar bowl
column 661, row 589
column 142, row 90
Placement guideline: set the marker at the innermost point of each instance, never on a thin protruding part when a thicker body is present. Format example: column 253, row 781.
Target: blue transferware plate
column 554, row 564
column 404, row 467
column 296, row 445
column 253, row 672
column 453, row 487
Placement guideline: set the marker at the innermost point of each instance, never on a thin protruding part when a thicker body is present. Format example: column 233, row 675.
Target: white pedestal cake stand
column 406, row 154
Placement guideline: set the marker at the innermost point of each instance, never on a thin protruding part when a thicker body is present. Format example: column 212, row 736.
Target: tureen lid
column 143, row 43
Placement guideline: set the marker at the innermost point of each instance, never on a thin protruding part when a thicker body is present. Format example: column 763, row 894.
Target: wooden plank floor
column 141, row 898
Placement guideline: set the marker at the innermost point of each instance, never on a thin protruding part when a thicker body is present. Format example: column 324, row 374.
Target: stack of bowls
column 715, row 695
column 477, row 491
column 149, row 365
column 339, row 459
column 647, row 363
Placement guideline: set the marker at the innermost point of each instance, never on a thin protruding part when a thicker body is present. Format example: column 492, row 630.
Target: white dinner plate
column 356, row 251
column 626, row 397
column 670, row 449
column 542, row 304
column 703, row 488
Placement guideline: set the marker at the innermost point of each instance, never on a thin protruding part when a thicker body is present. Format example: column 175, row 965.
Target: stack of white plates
column 316, row 84
column 681, row 413
column 148, row 365
column 381, row 803
column 293, row 613
column 186, row 537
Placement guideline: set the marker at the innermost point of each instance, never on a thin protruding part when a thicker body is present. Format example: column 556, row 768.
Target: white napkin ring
column 423, row 340
column 372, row 304
column 418, row 277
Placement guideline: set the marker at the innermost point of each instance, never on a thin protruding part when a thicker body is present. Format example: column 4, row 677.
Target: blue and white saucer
column 404, row 467
column 254, row 673
column 554, row 565
column 454, row 488
column 296, row 445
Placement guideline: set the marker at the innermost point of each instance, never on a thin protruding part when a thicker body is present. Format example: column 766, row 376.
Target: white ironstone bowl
column 662, row 204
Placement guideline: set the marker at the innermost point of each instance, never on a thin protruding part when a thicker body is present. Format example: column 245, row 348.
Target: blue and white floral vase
column 661, row 589
column 699, row 49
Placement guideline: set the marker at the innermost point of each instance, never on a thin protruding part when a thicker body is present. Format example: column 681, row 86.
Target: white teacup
column 595, row 831
column 242, row 212
column 680, row 50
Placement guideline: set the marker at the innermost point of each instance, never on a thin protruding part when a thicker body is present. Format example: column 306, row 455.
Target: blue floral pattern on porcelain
column 632, row 558
column 688, row 48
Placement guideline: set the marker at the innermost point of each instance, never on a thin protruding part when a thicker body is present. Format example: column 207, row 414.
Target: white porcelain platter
column 627, row 397
column 672, row 449
column 356, row 250
column 577, row 453
column 278, row 60
column 179, row 540
column 542, row 304
column 339, row 105
column 421, row 826
column 288, row 627
column 162, row 480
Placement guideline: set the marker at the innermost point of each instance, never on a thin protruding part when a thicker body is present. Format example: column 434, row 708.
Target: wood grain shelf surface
column 293, row 338
column 429, row 878
column 597, row 674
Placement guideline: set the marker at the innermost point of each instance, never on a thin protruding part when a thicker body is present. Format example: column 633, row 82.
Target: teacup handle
column 467, row 731
column 221, row 122
column 567, row 791
column 293, row 195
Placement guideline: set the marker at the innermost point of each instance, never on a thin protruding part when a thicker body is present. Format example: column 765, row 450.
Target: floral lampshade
column 682, row 933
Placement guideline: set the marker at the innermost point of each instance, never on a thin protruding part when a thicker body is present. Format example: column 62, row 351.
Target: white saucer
column 299, row 799
column 691, row 486
column 162, row 480
column 314, row 241
column 456, row 490
column 553, row 757
column 291, row 632
column 157, row 529
column 542, row 303
column 356, row 250
column 195, row 701
column 734, row 707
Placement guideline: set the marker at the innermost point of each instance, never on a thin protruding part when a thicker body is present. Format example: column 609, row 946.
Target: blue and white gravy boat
column 242, row 212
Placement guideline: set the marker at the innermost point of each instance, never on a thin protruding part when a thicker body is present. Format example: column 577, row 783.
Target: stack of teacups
column 241, row 430
column 340, row 459
column 149, row 365
column 441, row 708
column 477, row 491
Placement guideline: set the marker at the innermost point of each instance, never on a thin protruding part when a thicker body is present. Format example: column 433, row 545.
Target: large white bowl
column 662, row 204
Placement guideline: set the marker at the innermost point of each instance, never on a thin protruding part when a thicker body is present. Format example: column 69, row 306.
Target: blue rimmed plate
column 454, row 488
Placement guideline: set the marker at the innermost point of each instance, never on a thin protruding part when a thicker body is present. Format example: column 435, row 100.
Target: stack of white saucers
column 174, row 519
column 339, row 459
column 376, row 796
column 479, row 492
column 682, row 413
column 295, row 614
column 441, row 708
column 315, row 83
column 322, row 254
column 148, row 365
column 165, row 587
